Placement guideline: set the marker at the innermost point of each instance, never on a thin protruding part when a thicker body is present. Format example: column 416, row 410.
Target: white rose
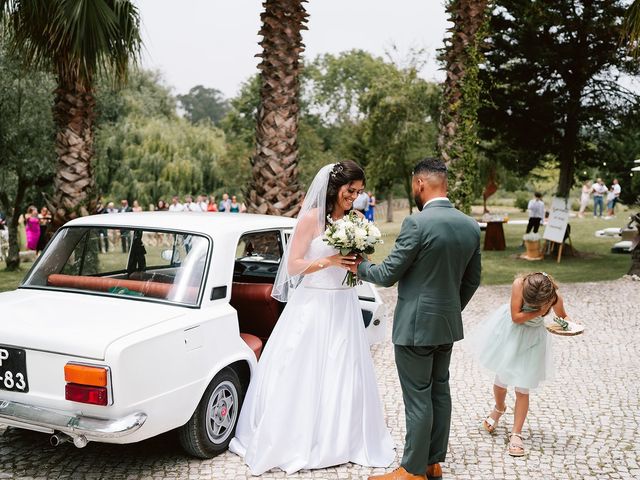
column 340, row 235
column 374, row 231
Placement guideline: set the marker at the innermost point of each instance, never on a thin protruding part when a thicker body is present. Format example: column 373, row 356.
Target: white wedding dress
column 313, row 401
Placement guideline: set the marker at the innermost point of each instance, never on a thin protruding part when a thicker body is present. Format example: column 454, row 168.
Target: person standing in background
column 361, row 203
column 190, row 205
column 612, row 197
column 234, row 206
column 103, row 232
column 136, row 206
column 176, row 206
column 45, row 220
column 599, row 189
column 585, row 195
column 125, row 235
column 536, row 212
column 202, row 203
column 225, row 204
column 371, row 212
column 32, row 227
column 212, row 206
column 162, row 206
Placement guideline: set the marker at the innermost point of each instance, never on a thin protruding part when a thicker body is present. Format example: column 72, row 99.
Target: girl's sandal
column 516, row 445
column 490, row 423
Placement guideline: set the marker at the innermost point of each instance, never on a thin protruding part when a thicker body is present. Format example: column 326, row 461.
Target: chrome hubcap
column 222, row 412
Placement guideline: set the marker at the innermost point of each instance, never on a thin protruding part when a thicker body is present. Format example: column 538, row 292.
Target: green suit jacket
column 436, row 262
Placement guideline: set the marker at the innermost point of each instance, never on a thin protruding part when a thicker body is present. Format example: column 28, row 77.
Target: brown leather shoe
column 434, row 472
column 398, row 474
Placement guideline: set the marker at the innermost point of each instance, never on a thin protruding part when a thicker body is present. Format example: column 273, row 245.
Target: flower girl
column 514, row 343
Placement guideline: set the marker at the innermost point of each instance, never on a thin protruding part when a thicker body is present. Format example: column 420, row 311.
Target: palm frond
column 77, row 38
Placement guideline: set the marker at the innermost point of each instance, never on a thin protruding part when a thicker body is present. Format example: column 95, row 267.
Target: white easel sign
column 558, row 220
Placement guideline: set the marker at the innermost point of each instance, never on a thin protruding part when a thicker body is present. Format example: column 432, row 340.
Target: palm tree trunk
column 74, row 114
column 274, row 188
column 458, row 136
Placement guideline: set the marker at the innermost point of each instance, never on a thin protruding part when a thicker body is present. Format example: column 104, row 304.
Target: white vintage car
column 133, row 324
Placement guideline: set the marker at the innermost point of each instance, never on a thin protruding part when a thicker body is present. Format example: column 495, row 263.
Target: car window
column 159, row 265
column 260, row 247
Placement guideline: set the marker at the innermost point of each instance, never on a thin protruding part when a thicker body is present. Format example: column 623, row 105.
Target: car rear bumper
column 47, row 420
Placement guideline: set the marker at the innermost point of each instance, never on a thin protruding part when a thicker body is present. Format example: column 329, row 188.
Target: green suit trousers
column 424, row 378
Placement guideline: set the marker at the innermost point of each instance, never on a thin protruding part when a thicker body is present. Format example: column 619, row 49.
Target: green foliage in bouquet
column 562, row 322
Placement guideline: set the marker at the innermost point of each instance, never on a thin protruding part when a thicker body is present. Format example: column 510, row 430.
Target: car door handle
column 218, row 292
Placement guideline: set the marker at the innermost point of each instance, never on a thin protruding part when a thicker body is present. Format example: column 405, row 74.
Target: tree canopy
column 202, row 103
column 551, row 82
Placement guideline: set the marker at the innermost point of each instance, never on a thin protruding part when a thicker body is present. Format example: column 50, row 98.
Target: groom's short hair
column 430, row 166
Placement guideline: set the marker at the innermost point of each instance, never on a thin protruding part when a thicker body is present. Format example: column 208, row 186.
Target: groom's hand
column 354, row 267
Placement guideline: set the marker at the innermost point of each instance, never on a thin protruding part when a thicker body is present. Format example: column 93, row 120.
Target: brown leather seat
column 254, row 343
column 103, row 284
column 257, row 310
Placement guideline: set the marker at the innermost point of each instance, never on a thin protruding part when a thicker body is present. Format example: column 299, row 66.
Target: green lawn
column 595, row 262
column 10, row 280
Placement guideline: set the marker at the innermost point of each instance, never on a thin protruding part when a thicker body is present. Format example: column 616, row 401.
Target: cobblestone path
column 584, row 424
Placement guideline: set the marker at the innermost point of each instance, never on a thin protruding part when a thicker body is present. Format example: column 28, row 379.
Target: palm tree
column 76, row 39
column 274, row 188
column 458, row 135
column 632, row 26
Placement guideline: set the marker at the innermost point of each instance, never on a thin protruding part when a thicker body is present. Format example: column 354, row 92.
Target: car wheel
column 212, row 426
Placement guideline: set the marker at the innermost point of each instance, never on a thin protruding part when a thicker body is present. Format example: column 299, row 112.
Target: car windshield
column 134, row 263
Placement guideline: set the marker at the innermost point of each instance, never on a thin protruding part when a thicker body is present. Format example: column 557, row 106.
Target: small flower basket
column 564, row 328
column 532, row 244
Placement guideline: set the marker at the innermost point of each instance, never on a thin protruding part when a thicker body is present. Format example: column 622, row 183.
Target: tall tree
column 204, row 103
column 145, row 151
column 551, row 82
column 274, row 188
column 27, row 159
column 75, row 39
column 458, row 119
column 400, row 128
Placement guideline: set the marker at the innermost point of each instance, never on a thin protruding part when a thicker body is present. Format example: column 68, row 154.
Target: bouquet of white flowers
column 352, row 234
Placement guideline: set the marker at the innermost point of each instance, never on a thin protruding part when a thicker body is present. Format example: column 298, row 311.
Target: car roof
column 211, row 223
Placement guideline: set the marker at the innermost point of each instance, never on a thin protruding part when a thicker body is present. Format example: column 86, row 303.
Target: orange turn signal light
column 85, row 375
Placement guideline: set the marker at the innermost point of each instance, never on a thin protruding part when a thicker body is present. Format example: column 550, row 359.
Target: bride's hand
column 341, row 261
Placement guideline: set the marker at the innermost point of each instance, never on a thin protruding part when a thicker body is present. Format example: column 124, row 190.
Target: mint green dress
column 519, row 354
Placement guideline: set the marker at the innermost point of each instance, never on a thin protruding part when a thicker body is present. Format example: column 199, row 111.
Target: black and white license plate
column 13, row 369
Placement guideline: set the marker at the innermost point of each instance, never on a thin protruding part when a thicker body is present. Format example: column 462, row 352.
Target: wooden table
column 494, row 236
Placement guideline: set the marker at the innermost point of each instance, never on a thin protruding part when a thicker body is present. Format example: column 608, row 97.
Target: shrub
column 522, row 201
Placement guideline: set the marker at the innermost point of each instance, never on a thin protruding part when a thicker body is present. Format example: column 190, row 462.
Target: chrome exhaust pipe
column 80, row 441
column 58, row 439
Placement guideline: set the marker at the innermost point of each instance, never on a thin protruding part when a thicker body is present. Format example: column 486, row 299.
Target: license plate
column 13, row 369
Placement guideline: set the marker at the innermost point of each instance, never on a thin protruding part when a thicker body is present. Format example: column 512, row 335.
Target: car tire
column 213, row 424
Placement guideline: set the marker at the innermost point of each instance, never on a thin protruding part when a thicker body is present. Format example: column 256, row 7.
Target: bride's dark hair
column 342, row 173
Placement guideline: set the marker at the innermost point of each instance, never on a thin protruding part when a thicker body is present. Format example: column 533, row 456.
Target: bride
column 313, row 401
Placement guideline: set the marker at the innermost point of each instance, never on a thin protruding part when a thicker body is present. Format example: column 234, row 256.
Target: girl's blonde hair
column 539, row 289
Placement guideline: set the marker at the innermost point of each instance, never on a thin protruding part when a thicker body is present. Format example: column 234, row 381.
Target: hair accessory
column 337, row 168
column 545, row 274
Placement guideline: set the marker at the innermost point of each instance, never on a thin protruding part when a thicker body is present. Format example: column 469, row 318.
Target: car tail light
column 87, row 384
column 86, row 394
column 85, row 375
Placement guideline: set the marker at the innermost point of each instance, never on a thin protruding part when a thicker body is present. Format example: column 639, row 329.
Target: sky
column 214, row 42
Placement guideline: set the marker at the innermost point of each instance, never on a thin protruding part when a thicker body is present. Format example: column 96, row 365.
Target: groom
column 436, row 262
